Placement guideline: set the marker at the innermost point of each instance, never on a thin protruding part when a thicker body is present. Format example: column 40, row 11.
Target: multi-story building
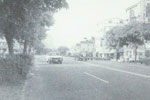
column 102, row 51
column 113, row 22
column 87, row 47
column 129, row 53
column 139, row 11
column 84, row 48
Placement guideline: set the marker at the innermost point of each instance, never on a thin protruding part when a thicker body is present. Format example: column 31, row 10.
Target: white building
column 140, row 11
column 84, row 48
column 110, row 23
column 102, row 51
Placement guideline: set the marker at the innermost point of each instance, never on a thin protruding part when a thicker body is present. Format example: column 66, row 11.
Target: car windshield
column 74, row 49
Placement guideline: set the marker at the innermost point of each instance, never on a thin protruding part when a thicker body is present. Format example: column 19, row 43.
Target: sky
column 81, row 20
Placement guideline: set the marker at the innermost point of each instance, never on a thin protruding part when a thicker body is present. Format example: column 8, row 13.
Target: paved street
column 97, row 80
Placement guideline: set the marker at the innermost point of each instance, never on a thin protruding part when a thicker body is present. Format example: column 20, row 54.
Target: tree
column 10, row 15
column 134, row 36
column 115, row 39
column 129, row 34
column 20, row 19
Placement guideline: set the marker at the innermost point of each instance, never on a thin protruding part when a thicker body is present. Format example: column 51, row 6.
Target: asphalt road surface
column 97, row 80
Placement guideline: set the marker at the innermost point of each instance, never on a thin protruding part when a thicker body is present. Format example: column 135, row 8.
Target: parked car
column 55, row 59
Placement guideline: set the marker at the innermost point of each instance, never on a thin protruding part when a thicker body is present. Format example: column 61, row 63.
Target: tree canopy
column 129, row 34
column 25, row 20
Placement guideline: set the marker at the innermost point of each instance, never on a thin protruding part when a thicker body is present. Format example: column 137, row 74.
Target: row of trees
column 135, row 34
column 27, row 20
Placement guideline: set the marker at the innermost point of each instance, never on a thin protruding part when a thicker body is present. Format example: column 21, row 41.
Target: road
column 97, row 80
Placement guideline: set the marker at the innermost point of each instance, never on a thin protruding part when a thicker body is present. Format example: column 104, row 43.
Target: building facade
column 110, row 23
column 102, row 51
column 85, row 48
column 139, row 11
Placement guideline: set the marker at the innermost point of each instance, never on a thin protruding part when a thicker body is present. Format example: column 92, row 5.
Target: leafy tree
column 129, row 34
column 134, row 36
column 146, row 31
column 115, row 39
column 25, row 19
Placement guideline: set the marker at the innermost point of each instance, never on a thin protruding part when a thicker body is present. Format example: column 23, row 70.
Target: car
column 55, row 59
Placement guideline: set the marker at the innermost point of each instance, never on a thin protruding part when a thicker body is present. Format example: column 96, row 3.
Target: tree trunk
column 29, row 49
column 10, row 44
column 117, row 54
column 136, row 47
column 25, row 47
column 117, row 51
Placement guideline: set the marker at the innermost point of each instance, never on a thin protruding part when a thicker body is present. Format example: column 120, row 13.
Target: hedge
column 146, row 61
column 14, row 69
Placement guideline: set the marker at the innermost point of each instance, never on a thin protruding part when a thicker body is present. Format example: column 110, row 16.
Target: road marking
column 123, row 71
column 96, row 77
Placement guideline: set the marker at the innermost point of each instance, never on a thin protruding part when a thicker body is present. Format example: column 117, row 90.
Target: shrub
column 14, row 69
column 147, row 53
column 146, row 61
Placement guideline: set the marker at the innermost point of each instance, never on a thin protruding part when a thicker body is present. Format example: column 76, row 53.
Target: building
column 87, row 47
column 84, row 48
column 139, row 11
column 110, row 23
column 129, row 53
column 102, row 51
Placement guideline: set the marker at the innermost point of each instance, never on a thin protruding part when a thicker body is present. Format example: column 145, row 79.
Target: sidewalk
column 119, row 63
column 10, row 92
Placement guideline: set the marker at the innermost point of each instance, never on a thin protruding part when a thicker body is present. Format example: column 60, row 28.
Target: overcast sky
column 81, row 19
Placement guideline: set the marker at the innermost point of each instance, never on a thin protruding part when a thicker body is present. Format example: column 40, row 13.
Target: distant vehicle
column 55, row 59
